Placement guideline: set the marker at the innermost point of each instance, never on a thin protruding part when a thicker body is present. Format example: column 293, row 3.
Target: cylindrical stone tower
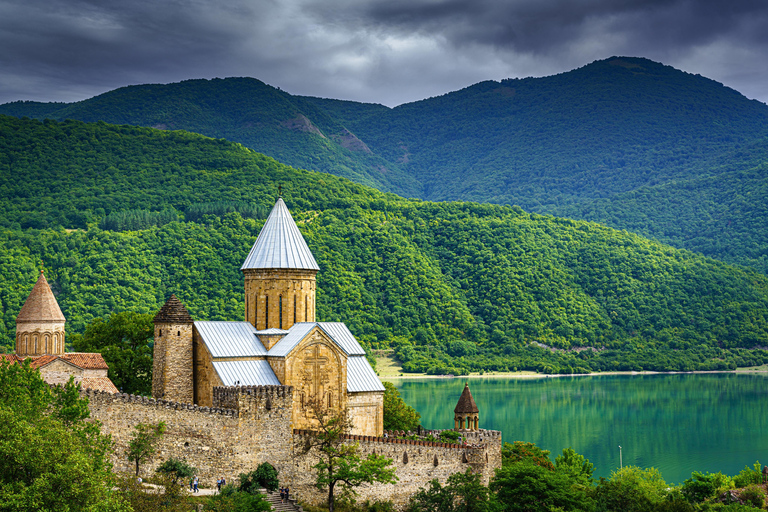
column 172, row 371
column 279, row 275
column 40, row 324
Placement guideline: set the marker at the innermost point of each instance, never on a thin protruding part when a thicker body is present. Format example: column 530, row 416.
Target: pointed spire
column 280, row 244
column 173, row 311
column 41, row 305
column 466, row 402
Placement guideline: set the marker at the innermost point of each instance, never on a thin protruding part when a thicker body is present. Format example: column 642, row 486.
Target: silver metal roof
column 296, row 333
column 361, row 377
column 337, row 331
column 230, row 339
column 246, row 373
column 280, row 244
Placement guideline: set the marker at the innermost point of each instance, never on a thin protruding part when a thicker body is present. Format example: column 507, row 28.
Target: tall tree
column 125, row 341
column 143, row 442
column 53, row 457
column 398, row 415
column 339, row 462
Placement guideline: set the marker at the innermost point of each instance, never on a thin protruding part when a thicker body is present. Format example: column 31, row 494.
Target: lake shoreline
column 533, row 375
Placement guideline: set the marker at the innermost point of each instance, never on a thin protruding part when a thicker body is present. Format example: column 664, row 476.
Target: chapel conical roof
column 173, row 311
column 280, row 244
column 466, row 402
column 41, row 305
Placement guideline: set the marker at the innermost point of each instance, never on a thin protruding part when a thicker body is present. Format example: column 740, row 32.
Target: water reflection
column 676, row 423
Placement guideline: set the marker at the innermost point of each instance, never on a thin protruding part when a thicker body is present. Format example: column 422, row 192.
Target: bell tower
column 466, row 415
column 40, row 324
column 279, row 274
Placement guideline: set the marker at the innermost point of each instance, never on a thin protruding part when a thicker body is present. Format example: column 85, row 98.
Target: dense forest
column 452, row 287
column 625, row 141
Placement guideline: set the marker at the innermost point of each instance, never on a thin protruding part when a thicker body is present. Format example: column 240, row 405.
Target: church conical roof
column 41, row 305
column 466, row 402
column 173, row 311
column 280, row 244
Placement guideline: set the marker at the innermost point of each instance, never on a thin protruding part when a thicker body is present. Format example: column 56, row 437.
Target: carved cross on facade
column 316, row 363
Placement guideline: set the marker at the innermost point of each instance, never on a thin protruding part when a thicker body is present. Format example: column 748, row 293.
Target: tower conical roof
column 41, row 305
column 173, row 311
column 466, row 402
column 280, row 244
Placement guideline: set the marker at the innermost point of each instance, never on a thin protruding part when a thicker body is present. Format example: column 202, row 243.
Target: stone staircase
column 274, row 499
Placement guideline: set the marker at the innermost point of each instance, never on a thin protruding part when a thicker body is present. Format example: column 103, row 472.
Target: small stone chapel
column 278, row 343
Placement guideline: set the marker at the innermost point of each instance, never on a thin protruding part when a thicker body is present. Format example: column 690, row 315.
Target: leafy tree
column 749, row 475
column 397, row 414
column 125, row 341
column 575, row 465
column 522, row 451
column 176, row 469
column 263, row 477
column 525, row 486
column 463, row 492
column 143, row 442
column 702, row 486
column 53, row 457
column 632, row 489
column 339, row 462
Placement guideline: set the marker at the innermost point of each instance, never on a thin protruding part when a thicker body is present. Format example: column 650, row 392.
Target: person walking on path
column 286, row 493
column 194, row 483
column 282, row 495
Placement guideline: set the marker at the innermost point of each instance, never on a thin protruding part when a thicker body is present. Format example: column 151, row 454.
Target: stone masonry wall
column 270, row 292
column 416, row 463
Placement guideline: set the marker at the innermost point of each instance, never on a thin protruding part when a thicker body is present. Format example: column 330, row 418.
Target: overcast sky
column 377, row 51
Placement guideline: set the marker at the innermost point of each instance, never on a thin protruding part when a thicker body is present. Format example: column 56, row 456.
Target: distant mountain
column 451, row 286
column 624, row 141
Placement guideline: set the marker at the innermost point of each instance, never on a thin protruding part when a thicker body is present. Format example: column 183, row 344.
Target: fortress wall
column 217, row 441
column 416, row 463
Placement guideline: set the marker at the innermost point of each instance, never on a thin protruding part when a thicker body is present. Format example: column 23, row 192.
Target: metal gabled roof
column 230, row 339
column 337, row 331
column 246, row 373
column 361, row 377
column 296, row 333
column 272, row 331
column 280, row 244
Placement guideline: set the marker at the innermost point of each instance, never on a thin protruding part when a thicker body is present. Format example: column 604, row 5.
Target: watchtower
column 466, row 413
column 172, row 371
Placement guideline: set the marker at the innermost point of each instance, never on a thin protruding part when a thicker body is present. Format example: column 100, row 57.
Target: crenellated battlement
column 233, row 397
column 395, row 440
column 102, row 398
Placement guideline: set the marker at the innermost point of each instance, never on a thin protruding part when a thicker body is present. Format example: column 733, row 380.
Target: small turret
column 466, row 413
column 172, row 371
column 40, row 324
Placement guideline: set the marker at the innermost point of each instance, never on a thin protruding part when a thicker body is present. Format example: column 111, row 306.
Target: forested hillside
column 452, row 287
column 625, row 141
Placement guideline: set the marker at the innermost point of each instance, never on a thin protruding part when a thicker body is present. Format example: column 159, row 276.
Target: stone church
column 40, row 332
column 278, row 343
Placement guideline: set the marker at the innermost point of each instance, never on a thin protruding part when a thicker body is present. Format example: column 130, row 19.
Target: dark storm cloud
column 387, row 51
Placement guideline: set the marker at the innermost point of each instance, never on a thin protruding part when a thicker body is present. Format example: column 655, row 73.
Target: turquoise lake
column 676, row 423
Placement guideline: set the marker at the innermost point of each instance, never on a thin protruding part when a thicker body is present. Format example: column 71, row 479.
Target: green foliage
column 143, row 442
column 397, row 414
column 177, row 469
column 576, row 466
column 337, row 461
column 678, row 158
column 125, row 341
column 701, row 487
column 53, row 458
column 522, row 451
column 498, row 288
column 632, row 489
column 263, row 477
column 749, row 475
column 753, row 495
column 197, row 212
column 525, row 486
column 132, row 220
column 449, row 436
column 232, row 500
column 463, row 492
